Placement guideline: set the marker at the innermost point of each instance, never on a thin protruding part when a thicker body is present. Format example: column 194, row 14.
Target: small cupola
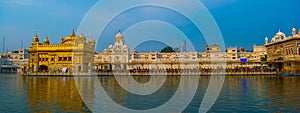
column 46, row 41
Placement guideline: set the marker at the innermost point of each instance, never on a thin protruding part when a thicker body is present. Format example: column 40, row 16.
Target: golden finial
column 46, row 40
column 73, row 32
column 36, row 33
column 36, row 36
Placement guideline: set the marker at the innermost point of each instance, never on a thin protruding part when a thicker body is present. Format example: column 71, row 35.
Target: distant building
column 259, row 52
column 232, row 53
column 284, row 51
column 74, row 54
column 115, row 57
column 19, row 57
column 14, row 61
column 118, row 58
column 213, row 48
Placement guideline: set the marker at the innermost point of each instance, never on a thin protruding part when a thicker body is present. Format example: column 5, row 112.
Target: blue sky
column 242, row 22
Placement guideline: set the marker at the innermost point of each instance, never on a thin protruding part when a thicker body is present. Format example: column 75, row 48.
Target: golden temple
column 74, row 54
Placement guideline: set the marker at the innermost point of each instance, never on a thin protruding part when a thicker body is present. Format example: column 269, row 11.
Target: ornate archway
column 43, row 68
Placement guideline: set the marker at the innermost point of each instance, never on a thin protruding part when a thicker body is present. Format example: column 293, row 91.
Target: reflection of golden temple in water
column 55, row 94
column 60, row 94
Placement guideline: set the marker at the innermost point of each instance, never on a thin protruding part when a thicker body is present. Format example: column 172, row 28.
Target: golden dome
column 36, row 38
column 91, row 40
column 81, row 35
column 46, row 40
column 70, row 38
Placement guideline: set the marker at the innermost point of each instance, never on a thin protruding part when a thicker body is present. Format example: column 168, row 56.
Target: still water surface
column 59, row 94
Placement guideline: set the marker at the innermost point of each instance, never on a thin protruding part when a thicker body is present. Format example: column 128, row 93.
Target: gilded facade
column 73, row 54
column 284, row 51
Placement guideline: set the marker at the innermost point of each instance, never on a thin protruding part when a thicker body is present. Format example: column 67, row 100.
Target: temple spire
column 36, row 37
column 46, row 41
column 73, row 32
column 36, row 33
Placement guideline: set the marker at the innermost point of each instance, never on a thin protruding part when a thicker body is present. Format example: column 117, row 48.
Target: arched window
column 117, row 58
column 124, row 59
column 298, row 51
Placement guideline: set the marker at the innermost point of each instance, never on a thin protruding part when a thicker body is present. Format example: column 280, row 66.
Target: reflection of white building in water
column 118, row 57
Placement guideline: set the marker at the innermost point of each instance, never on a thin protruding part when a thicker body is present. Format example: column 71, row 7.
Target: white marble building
column 118, row 57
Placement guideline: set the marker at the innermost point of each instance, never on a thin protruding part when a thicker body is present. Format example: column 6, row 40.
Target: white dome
column 280, row 33
column 119, row 35
column 110, row 46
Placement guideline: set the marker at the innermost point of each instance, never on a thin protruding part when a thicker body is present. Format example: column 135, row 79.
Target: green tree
column 167, row 49
column 265, row 58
